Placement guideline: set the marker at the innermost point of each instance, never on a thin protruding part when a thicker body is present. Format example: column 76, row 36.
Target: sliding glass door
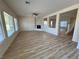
column 1, row 30
column 9, row 24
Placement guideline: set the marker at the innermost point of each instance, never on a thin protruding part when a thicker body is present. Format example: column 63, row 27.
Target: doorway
column 67, row 23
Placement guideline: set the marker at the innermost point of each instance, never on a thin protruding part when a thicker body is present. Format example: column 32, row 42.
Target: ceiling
column 43, row 7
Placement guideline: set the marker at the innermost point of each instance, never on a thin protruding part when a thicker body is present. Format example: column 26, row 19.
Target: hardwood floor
column 41, row 45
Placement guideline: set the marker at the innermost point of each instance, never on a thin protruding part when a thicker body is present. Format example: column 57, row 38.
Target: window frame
column 16, row 24
column 7, row 35
column 2, row 27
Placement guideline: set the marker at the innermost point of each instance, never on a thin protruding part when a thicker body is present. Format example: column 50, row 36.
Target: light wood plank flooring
column 41, row 45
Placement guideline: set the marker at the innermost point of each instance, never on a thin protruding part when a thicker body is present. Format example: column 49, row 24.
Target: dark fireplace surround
column 38, row 26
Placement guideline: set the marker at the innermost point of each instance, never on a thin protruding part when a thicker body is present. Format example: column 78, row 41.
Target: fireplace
column 38, row 26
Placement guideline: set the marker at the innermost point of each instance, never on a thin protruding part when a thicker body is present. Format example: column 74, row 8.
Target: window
column 1, row 31
column 63, row 24
column 45, row 21
column 9, row 24
column 52, row 21
column 16, row 24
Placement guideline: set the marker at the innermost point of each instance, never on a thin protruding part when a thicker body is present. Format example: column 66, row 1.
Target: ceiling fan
column 27, row 2
column 36, row 14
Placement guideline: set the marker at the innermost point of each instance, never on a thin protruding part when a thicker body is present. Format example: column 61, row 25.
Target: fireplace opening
column 38, row 26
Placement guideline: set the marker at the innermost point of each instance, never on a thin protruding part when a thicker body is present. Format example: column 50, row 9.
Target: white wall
column 76, row 32
column 7, row 42
column 28, row 23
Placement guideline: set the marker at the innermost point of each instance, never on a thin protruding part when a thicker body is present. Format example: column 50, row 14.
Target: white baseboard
column 38, row 30
column 78, row 45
